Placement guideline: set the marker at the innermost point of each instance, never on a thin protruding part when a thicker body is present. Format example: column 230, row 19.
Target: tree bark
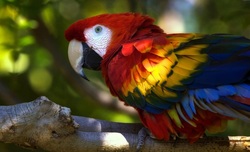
column 48, row 126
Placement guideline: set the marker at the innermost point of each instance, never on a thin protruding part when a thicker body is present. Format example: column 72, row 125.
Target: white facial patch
column 98, row 38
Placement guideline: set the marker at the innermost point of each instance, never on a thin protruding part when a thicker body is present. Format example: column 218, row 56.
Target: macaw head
column 93, row 39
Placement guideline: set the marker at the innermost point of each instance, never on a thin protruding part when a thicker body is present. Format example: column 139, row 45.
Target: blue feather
column 212, row 95
column 228, row 62
column 247, row 53
column 226, row 90
column 207, row 94
column 243, row 90
column 216, row 75
column 234, row 104
column 152, row 109
column 191, row 100
column 199, row 94
column 204, row 105
column 185, row 104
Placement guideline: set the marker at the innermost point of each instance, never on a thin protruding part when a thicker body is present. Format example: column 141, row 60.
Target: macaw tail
column 168, row 123
column 160, row 125
column 203, row 120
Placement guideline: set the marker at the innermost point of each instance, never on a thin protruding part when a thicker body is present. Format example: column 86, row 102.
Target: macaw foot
column 175, row 139
column 142, row 134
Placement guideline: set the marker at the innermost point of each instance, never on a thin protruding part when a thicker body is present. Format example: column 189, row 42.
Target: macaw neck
column 104, row 68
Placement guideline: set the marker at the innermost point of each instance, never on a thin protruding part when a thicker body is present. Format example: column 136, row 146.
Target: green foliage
column 31, row 65
column 224, row 17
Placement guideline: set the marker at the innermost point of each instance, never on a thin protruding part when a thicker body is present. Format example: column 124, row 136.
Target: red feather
column 159, row 124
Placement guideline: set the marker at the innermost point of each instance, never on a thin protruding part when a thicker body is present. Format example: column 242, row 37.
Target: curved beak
column 82, row 56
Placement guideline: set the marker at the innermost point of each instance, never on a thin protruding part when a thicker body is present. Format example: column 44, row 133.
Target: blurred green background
column 33, row 50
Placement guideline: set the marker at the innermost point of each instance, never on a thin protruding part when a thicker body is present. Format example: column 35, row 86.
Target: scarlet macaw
column 180, row 84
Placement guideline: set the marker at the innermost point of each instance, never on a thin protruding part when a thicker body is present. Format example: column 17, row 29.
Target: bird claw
column 174, row 137
column 142, row 134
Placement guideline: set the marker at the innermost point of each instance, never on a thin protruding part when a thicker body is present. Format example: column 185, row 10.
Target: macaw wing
column 183, row 70
column 223, row 84
column 228, row 60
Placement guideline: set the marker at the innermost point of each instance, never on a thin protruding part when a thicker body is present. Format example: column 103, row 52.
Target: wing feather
column 185, row 72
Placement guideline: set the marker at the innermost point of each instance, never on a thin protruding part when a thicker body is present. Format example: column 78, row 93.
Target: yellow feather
column 132, row 82
column 159, row 52
column 152, row 80
column 192, row 50
column 144, row 87
column 181, row 71
column 188, row 63
column 168, row 47
column 174, row 81
column 177, row 39
column 143, row 74
column 201, row 58
column 172, row 58
column 155, row 59
column 160, row 73
column 130, row 86
column 161, row 92
column 147, row 65
column 180, row 38
column 175, row 117
column 166, row 63
column 136, row 75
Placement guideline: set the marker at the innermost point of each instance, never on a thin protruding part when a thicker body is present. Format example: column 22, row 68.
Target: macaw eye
column 98, row 29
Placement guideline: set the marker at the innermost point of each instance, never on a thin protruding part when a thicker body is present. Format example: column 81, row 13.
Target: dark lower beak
column 82, row 56
column 91, row 60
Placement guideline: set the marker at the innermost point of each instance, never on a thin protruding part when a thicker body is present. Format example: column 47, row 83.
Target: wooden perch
column 46, row 125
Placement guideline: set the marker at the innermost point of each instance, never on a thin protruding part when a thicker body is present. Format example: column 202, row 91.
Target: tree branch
column 46, row 125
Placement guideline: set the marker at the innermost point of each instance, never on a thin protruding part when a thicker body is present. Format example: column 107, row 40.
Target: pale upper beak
column 82, row 56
